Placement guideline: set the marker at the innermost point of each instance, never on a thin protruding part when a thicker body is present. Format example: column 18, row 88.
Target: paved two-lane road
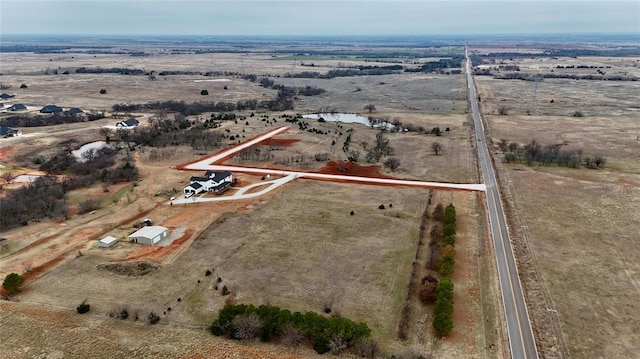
column 521, row 340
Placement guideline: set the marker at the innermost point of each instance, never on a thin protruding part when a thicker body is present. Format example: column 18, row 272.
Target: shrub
column 446, row 264
column 12, row 283
column 366, row 348
column 381, row 206
column 321, row 345
column 153, row 318
column 23, row 86
column 207, row 273
column 337, row 345
column 88, row 206
column 292, row 336
column 103, row 91
column 427, row 292
column 204, row 92
column 246, row 326
column 83, row 307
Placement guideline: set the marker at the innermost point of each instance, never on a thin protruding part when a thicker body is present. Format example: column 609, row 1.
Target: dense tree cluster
column 267, row 322
column 47, row 120
column 534, row 152
column 112, row 70
column 44, row 198
column 442, row 66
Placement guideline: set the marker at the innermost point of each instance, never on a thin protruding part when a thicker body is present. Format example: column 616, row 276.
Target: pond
column 80, row 152
column 349, row 118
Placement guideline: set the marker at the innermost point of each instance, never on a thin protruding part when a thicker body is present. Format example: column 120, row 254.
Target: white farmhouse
column 149, row 235
column 130, row 123
column 214, row 182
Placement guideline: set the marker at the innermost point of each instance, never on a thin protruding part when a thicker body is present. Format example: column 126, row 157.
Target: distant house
column 17, row 107
column 130, row 123
column 51, row 109
column 73, row 112
column 215, row 182
column 149, row 235
column 107, row 241
column 6, row 96
column 9, row 132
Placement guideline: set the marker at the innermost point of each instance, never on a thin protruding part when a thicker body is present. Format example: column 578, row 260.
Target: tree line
column 535, row 153
column 48, row 120
column 325, row 334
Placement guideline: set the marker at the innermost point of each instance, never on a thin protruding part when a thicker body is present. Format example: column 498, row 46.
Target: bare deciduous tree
column 436, row 147
column 8, row 177
column 246, row 326
column 392, row 163
column 370, row 107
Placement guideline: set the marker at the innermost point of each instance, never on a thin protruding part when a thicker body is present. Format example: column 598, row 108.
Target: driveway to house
column 241, row 193
column 213, row 163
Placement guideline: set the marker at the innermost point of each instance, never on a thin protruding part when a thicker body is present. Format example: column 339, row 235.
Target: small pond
column 79, row 153
column 348, row 118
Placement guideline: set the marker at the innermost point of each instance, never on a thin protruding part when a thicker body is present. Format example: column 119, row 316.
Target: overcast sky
column 310, row 17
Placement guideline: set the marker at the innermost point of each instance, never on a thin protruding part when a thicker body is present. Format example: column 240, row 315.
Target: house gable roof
column 4, row 131
column 217, row 176
column 51, row 109
column 199, row 179
column 17, row 107
column 131, row 122
column 6, row 96
column 195, row 185
column 75, row 111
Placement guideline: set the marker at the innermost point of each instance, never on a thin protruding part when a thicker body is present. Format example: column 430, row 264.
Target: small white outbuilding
column 107, row 241
column 149, row 235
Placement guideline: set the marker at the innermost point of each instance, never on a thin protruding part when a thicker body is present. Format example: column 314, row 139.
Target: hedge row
column 273, row 321
column 443, row 309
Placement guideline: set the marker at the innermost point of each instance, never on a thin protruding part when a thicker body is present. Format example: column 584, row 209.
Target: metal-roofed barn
column 149, row 235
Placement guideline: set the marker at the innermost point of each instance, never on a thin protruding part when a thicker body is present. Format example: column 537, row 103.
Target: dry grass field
column 575, row 229
column 297, row 247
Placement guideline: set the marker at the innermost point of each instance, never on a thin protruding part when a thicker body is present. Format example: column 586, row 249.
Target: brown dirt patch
column 351, row 169
column 278, row 142
column 129, row 269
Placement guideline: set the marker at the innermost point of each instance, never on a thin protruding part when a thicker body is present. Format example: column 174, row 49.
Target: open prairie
column 574, row 229
column 297, row 247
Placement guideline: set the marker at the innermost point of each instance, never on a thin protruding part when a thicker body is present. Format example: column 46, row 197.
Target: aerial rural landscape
column 318, row 196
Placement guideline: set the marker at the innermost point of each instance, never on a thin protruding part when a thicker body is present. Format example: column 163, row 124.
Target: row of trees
column 443, row 308
column 193, row 108
column 334, row 334
column 48, row 120
column 534, row 152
